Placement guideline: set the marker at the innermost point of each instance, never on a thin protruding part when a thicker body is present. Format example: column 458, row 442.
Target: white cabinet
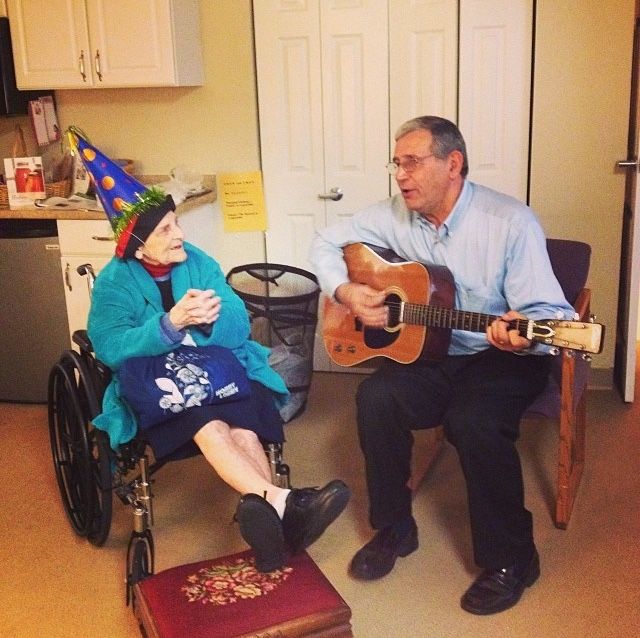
column 82, row 242
column 105, row 43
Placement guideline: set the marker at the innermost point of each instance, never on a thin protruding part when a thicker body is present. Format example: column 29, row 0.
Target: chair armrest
column 582, row 304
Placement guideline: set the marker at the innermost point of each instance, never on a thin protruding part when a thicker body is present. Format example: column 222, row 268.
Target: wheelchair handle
column 86, row 270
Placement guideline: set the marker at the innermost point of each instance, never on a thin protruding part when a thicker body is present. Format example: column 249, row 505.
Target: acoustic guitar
column 420, row 298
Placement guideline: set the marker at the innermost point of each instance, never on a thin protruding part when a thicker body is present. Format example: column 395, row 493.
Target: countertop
column 208, row 182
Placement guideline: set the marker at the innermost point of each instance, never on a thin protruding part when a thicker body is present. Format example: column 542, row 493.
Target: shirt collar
column 460, row 208
column 457, row 213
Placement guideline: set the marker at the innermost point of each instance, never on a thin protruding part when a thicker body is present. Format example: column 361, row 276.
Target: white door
column 336, row 78
column 625, row 354
column 468, row 61
column 495, row 89
column 324, row 118
column 288, row 61
column 322, row 72
column 423, row 60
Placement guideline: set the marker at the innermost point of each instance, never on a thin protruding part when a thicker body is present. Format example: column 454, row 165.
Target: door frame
column 624, row 368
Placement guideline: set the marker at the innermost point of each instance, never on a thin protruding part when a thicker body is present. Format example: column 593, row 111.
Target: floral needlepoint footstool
column 228, row 598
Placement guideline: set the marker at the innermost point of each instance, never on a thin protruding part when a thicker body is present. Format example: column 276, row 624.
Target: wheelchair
column 89, row 472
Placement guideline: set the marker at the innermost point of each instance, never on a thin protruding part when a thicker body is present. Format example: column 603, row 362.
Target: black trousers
column 479, row 399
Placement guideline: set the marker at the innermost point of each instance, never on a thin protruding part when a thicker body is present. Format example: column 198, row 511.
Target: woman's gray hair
column 446, row 137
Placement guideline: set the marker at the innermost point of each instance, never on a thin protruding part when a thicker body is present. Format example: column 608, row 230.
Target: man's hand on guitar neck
column 366, row 303
column 499, row 335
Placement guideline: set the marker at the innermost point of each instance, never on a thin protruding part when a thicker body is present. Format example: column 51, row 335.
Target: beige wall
column 583, row 50
column 581, row 112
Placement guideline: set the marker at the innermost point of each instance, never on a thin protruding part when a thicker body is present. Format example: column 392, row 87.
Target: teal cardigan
column 124, row 322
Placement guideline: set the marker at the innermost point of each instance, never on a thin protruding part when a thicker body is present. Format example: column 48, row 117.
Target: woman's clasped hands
column 197, row 307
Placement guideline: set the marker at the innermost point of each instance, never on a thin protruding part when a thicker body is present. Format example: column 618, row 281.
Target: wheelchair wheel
column 81, row 453
column 139, row 561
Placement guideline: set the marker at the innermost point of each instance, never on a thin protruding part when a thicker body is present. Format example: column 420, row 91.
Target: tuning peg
column 554, row 351
column 586, row 356
column 592, row 318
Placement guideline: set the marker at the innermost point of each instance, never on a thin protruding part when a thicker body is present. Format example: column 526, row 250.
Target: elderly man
column 495, row 249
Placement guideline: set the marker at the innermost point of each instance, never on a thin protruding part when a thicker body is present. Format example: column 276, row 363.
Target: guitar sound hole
column 379, row 338
column 393, row 302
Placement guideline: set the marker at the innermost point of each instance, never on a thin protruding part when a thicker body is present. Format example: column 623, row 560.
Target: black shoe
column 498, row 589
column 261, row 529
column 309, row 511
column 377, row 558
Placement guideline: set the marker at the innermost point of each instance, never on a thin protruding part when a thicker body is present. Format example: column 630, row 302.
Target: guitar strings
column 447, row 317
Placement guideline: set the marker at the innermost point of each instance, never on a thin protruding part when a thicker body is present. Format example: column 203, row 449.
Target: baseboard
column 601, row 379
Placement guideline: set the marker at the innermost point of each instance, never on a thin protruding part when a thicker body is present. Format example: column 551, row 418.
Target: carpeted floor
column 54, row 584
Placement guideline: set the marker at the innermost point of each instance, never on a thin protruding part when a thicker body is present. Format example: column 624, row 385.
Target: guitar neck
column 452, row 319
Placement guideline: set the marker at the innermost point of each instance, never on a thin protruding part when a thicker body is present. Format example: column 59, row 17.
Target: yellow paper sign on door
column 242, row 200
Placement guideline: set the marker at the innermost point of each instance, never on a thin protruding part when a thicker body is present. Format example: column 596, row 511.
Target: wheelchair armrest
column 81, row 339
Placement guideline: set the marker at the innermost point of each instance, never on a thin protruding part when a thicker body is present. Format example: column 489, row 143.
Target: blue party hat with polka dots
column 132, row 208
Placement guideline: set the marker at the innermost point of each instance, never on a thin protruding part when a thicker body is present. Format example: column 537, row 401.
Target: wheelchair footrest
column 228, row 598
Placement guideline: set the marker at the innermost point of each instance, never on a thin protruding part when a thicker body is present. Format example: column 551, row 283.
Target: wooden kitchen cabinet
column 82, row 242
column 71, row 44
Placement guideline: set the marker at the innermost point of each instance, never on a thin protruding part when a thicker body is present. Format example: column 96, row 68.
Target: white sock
column 280, row 502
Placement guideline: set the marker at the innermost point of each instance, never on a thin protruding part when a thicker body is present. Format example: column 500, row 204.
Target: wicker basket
column 54, row 189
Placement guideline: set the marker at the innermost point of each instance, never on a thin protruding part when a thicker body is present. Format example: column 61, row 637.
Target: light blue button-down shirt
column 492, row 243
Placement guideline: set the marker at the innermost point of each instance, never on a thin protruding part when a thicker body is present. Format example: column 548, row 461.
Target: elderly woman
column 160, row 292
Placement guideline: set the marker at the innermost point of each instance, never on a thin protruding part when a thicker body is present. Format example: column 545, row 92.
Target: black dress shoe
column 309, row 511
column 261, row 529
column 377, row 558
column 498, row 589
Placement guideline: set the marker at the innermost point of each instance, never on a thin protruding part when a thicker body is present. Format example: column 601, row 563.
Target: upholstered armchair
column 564, row 398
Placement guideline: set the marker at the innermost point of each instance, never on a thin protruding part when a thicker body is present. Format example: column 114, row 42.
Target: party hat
column 132, row 208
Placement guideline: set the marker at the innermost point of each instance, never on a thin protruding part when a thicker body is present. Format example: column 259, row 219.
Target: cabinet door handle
column 67, row 279
column 98, row 67
column 81, row 64
column 102, row 238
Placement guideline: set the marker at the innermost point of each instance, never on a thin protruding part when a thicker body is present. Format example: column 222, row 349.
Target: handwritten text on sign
column 242, row 201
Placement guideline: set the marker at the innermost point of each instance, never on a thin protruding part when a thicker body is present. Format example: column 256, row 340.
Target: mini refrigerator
column 34, row 329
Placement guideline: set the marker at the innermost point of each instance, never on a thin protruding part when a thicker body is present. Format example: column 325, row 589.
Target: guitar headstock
column 582, row 336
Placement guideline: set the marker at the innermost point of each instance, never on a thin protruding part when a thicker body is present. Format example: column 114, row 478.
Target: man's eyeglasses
column 408, row 165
